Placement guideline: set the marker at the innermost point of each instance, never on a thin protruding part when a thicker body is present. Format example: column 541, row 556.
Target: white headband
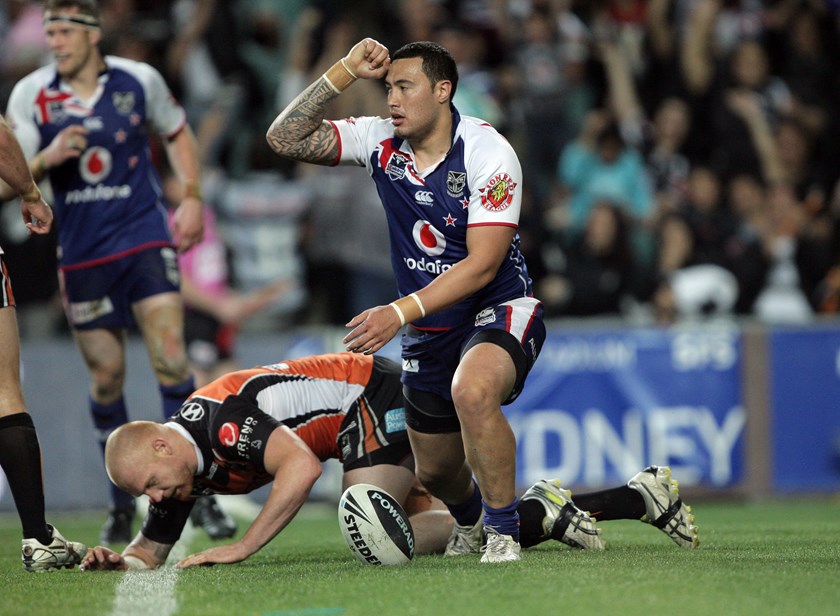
column 79, row 19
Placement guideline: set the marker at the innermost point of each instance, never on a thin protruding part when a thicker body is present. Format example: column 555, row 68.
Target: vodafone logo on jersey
column 229, row 434
column 433, row 243
column 428, row 239
column 95, row 164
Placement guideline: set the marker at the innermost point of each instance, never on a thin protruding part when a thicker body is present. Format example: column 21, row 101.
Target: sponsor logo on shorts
column 85, row 312
column 170, row 263
column 411, row 365
column 488, row 315
column 395, row 420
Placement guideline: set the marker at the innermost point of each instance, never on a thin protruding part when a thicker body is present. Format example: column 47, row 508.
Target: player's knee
column 107, row 382
column 433, row 478
column 169, row 359
column 473, row 399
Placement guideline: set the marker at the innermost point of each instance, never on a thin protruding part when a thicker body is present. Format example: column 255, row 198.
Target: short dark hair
column 438, row 63
column 85, row 7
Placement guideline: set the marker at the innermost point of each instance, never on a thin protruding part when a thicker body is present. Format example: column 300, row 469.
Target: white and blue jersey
column 478, row 182
column 108, row 202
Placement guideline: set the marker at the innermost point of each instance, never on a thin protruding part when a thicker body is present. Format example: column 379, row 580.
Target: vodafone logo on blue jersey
column 95, row 164
column 433, row 243
column 428, row 239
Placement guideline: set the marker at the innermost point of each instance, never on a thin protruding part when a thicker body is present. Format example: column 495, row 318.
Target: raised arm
column 696, row 57
column 300, row 131
column 295, row 469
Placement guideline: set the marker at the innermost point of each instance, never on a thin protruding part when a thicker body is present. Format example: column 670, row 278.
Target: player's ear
column 443, row 91
column 94, row 36
column 162, row 446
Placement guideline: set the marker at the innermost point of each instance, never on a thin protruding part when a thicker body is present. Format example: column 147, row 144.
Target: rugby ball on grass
column 375, row 526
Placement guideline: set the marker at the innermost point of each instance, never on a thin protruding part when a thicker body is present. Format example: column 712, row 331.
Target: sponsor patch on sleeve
column 498, row 193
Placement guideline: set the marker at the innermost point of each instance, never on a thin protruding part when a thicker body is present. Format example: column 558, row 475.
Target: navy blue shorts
column 431, row 358
column 101, row 296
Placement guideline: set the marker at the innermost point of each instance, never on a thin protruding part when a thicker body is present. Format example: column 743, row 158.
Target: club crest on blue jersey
column 456, row 181
column 396, row 165
column 123, row 102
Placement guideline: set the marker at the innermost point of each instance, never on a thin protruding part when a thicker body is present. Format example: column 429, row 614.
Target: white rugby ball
column 375, row 526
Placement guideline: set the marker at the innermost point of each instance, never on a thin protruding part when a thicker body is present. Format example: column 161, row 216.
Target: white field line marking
column 152, row 593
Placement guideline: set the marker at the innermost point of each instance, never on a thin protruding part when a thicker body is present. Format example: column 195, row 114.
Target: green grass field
column 769, row 558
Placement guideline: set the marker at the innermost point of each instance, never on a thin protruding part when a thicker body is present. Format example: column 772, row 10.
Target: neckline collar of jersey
column 58, row 83
column 199, row 469
column 405, row 146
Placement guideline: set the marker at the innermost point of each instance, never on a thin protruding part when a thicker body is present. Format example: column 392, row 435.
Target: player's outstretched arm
column 141, row 553
column 295, row 469
column 300, row 131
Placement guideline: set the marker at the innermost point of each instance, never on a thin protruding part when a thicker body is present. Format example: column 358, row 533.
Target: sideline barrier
column 741, row 409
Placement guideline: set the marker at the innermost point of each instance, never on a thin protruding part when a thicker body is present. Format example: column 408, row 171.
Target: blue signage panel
column 805, row 414
column 601, row 405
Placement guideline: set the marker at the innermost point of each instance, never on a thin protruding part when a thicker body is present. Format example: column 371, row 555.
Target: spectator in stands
column 593, row 273
column 744, row 71
column 600, row 165
column 549, row 89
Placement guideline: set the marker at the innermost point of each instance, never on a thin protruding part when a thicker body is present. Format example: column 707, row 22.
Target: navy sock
column 106, row 418
column 505, row 520
column 468, row 512
column 20, row 458
column 174, row 396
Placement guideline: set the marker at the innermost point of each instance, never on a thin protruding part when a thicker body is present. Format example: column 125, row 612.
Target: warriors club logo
column 456, row 181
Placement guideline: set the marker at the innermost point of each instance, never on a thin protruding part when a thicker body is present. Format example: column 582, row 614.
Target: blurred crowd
column 680, row 157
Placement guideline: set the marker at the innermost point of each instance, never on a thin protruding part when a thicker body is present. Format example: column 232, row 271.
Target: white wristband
column 399, row 312
column 419, row 304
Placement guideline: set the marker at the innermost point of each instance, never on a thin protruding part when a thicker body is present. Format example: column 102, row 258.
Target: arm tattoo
column 300, row 132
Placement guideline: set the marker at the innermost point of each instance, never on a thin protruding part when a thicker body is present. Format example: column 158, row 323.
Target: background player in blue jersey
column 20, row 454
column 451, row 189
column 84, row 121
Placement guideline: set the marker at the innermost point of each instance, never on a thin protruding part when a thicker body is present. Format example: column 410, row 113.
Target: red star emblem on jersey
column 465, row 203
column 450, row 220
column 134, row 118
column 120, row 136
